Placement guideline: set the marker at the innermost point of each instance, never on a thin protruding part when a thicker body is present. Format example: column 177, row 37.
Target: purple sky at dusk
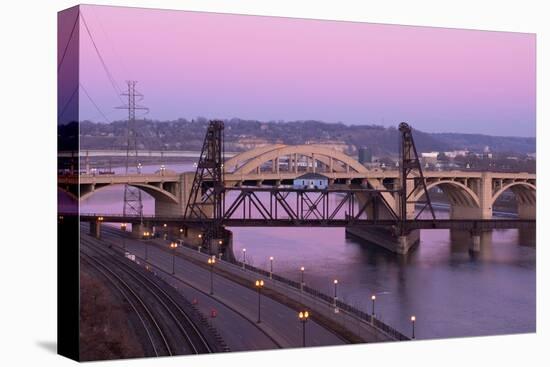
column 190, row 64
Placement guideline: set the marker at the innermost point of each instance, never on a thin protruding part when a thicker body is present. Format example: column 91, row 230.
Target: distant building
column 365, row 155
column 429, row 158
column 311, row 181
column 456, row 153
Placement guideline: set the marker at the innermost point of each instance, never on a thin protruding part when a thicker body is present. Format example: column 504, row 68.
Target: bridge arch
column 457, row 193
column 156, row 192
column 525, row 192
column 233, row 163
column 316, row 152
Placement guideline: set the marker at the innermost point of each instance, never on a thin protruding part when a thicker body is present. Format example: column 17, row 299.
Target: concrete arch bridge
column 471, row 194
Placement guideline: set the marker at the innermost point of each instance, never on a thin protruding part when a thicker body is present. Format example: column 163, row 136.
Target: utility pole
column 133, row 205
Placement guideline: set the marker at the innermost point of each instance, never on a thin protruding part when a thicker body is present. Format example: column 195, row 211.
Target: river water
column 451, row 291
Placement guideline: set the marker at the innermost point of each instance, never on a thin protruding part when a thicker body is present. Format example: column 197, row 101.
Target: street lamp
column 302, row 269
column 259, row 285
column 139, row 168
column 244, row 259
column 162, row 169
column 174, row 246
column 200, row 246
column 303, row 316
column 335, row 291
column 373, row 298
column 271, row 267
column 211, row 262
column 146, row 243
column 413, row 320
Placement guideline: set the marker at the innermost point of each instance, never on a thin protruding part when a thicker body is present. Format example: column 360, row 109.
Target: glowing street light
column 174, row 246
column 211, row 262
column 259, row 285
column 139, row 168
column 244, row 259
column 303, row 316
column 373, row 298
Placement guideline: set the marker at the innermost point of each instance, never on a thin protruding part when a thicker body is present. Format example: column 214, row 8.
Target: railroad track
column 115, row 236
column 156, row 339
column 169, row 328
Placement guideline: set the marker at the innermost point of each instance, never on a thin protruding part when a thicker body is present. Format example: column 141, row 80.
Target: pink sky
column 191, row 64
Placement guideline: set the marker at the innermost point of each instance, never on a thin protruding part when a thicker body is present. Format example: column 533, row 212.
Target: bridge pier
column 527, row 211
column 473, row 241
column 480, row 239
column 385, row 238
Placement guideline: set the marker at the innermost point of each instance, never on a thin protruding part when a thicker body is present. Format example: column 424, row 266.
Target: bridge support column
column 527, row 211
column 527, row 237
column 475, row 243
column 95, row 229
column 399, row 244
column 480, row 239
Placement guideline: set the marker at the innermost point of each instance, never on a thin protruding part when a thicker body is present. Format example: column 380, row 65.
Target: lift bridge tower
column 133, row 205
column 206, row 200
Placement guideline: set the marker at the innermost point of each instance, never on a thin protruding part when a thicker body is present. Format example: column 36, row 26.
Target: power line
column 67, row 104
column 95, row 104
column 112, row 80
column 68, row 41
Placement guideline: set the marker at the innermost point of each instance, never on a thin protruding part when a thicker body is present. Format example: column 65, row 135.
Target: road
column 235, row 304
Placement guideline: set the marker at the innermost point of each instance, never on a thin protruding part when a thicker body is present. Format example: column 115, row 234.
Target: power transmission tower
column 132, row 195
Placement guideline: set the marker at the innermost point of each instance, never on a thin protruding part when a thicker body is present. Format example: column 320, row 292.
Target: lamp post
column 139, row 168
column 302, row 269
column 303, row 316
column 211, row 262
column 146, row 243
column 335, row 291
column 413, row 320
column 174, row 246
column 200, row 238
column 373, row 298
column 271, row 267
column 244, row 259
column 259, row 285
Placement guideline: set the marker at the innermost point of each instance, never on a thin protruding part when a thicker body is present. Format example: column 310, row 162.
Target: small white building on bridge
column 311, row 181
